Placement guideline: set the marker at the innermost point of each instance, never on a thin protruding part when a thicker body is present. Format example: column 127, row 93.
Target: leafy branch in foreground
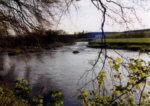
column 132, row 92
column 21, row 96
column 23, row 90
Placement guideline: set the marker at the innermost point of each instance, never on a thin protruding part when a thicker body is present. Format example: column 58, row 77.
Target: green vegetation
column 126, row 40
column 130, row 40
column 130, row 34
column 130, row 93
column 21, row 96
column 8, row 98
column 123, row 43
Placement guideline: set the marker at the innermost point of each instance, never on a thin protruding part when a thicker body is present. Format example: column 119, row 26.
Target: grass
column 130, row 34
column 126, row 40
column 113, row 35
column 124, row 43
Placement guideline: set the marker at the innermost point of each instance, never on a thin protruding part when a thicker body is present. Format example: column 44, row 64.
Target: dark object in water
column 11, row 53
column 75, row 52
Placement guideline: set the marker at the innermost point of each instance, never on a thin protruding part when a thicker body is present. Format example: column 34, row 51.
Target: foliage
column 21, row 96
column 8, row 98
column 53, row 97
column 23, row 90
column 124, row 43
column 122, row 93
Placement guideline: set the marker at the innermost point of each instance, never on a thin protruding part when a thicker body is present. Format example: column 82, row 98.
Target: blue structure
column 95, row 35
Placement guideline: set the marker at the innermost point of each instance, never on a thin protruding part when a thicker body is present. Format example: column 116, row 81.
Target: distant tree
column 62, row 32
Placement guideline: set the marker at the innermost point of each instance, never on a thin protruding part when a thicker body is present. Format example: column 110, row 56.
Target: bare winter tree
column 126, row 89
column 120, row 12
column 27, row 15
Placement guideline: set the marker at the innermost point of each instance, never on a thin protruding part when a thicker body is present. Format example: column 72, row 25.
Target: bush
column 8, row 98
column 21, row 96
column 23, row 91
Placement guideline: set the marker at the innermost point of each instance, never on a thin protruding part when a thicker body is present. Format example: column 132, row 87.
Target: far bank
column 135, row 44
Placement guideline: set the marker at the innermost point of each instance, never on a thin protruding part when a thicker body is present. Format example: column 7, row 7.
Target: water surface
column 58, row 69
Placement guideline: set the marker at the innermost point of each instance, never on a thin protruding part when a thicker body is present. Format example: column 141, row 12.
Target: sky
column 88, row 19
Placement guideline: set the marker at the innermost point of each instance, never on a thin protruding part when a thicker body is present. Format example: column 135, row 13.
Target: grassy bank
column 145, row 33
column 123, row 43
column 125, row 40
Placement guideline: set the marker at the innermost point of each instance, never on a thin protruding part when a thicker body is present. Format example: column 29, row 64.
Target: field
column 130, row 34
column 123, row 43
column 126, row 40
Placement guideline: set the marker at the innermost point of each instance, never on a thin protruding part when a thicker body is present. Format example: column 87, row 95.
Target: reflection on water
column 57, row 69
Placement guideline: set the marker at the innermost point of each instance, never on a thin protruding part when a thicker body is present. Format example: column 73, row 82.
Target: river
column 58, row 68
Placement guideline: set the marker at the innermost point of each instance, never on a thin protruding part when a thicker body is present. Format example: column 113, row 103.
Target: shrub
column 8, row 98
column 23, row 91
column 122, row 94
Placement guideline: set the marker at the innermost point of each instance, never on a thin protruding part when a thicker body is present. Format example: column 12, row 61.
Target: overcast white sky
column 87, row 18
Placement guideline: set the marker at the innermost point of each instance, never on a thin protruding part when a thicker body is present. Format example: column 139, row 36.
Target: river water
column 59, row 68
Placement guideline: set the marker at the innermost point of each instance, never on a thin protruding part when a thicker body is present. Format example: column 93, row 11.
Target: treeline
column 40, row 39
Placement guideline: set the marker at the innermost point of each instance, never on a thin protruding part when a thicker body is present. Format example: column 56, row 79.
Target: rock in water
column 75, row 52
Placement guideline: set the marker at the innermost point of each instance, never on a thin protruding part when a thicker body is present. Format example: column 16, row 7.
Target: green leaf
column 116, row 66
column 148, row 83
column 110, row 62
column 142, row 75
column 85, row 93
column 118, row 60
column 118, row 92
column 140, row 86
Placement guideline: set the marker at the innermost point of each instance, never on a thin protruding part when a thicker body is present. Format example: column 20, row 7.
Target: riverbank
column 135, row 44
column 31, row 49
column 60, row 68
column 33, row 42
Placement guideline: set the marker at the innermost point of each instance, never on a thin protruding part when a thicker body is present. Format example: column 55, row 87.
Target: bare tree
column 122, row 92
column 28, row 15
column 124, row 13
